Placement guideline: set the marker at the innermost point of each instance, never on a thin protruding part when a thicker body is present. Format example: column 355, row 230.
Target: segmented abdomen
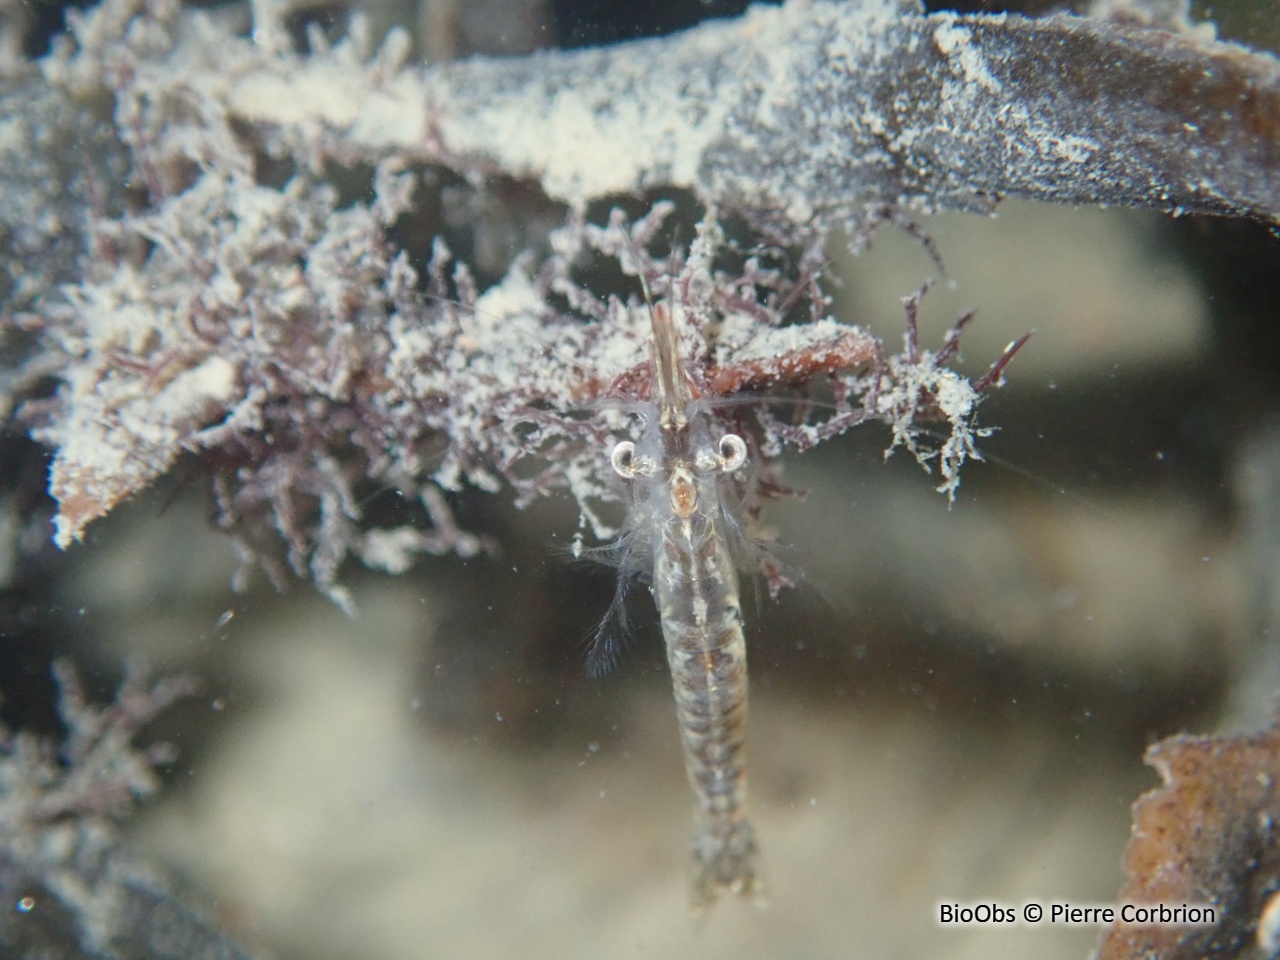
column 697, row 593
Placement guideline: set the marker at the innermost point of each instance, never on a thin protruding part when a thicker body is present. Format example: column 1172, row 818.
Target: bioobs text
column 976, row 913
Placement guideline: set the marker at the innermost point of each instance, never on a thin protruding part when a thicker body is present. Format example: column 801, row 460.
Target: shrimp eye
column 733, row 452
column 623, row 459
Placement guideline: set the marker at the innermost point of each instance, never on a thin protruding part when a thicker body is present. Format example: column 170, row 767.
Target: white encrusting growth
column 807, row 109
column 802, row 108
column 271, row 325
column 901, row 395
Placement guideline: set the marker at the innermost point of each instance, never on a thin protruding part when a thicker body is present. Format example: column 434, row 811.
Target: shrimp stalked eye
column 623, row 459
column 733, row 452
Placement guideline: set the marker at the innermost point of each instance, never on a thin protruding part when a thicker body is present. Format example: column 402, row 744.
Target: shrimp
column 675, row 473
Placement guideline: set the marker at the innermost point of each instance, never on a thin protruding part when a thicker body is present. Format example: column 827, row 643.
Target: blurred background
column 951, row 706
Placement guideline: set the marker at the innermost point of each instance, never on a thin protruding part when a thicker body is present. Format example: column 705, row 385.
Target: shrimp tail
column 726, row 859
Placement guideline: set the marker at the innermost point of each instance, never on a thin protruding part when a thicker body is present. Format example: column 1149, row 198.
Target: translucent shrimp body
column 677, row 469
